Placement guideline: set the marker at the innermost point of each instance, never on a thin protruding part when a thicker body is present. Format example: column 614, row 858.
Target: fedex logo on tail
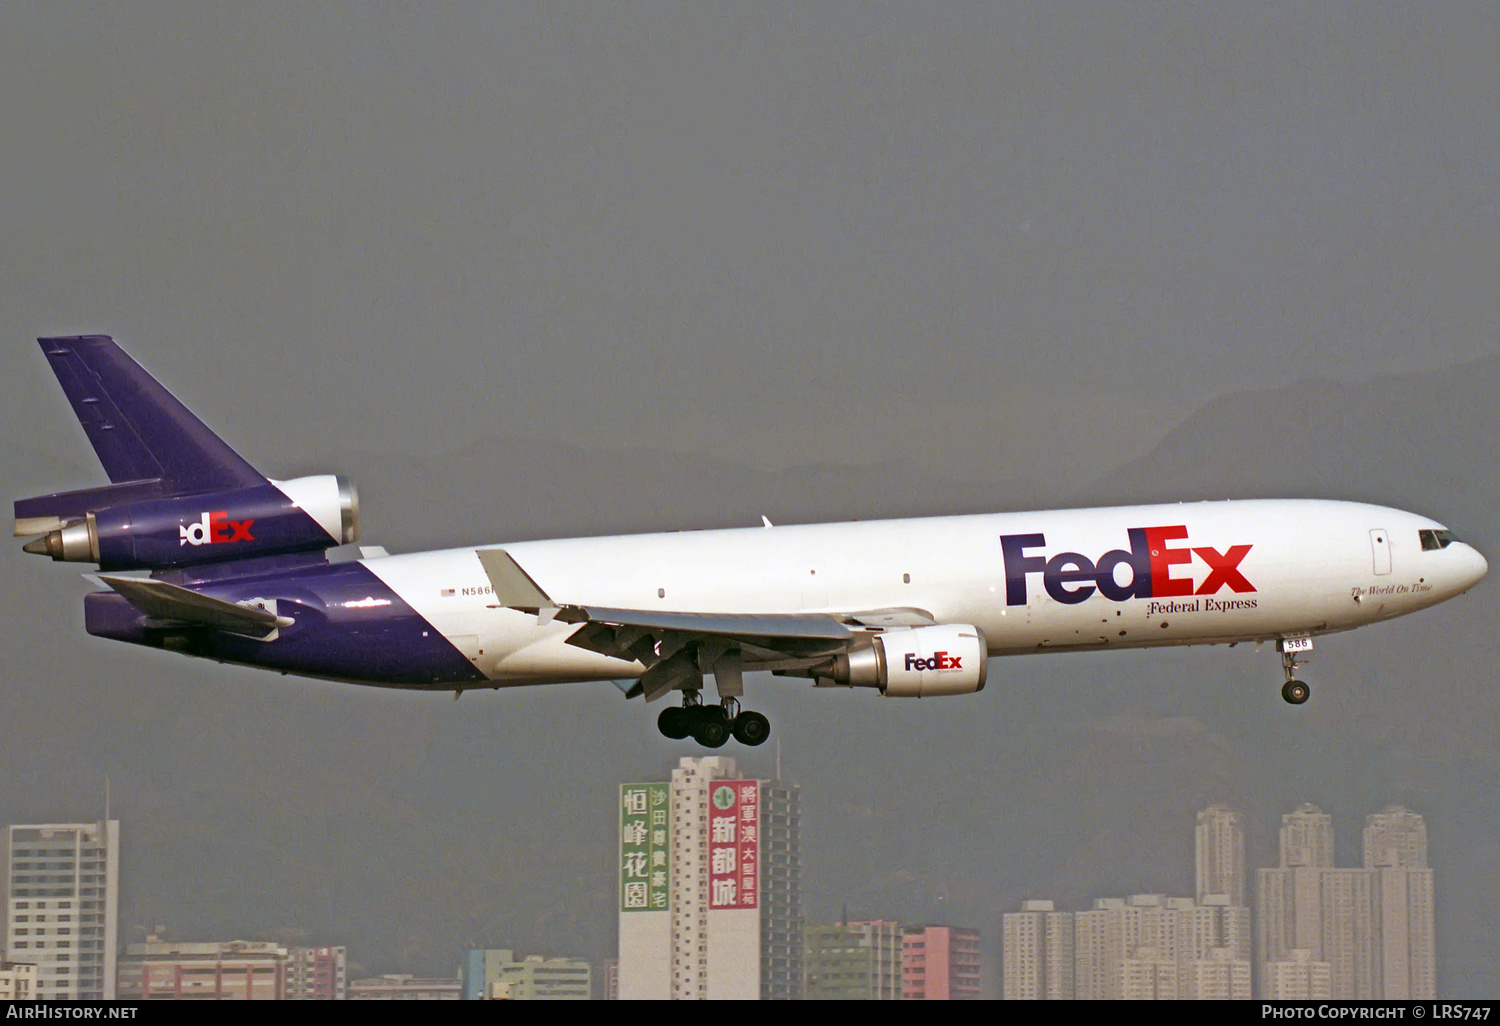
column 1071, row 577
column 213, row 529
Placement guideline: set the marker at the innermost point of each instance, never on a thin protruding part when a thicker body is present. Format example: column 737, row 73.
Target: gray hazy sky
column 1021, row 240
column 994, row 241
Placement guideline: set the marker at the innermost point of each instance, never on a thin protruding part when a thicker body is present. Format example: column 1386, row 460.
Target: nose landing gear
column 1294, row 652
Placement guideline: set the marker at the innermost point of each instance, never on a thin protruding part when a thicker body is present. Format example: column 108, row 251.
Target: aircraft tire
column 1295, row 692
column 711, row 729
column 674, row 722
column 751, row 728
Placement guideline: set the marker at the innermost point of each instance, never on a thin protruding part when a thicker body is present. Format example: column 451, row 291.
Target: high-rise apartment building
column 852, row 961
column 1149, row 974
column 317, row 974
column 1036, row 958
column 1395, row 851
column 941, row 963
column 1297, row 977
column 710, row 886
column 1220, row 848
column 62, row 899
column 1153, row 946
column 1218, row 977
column 1307, row 904
column 1307, row 838
column 1395, row 836
column 1373, row 927
column 1146, row 946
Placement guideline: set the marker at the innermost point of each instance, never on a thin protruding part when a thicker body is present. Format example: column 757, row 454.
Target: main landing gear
column 1294, row 651
column 712, row 725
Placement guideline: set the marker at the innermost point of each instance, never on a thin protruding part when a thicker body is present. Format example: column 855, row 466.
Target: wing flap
column 805, row 626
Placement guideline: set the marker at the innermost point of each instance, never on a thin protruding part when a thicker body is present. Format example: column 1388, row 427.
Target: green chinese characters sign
column 645, row 836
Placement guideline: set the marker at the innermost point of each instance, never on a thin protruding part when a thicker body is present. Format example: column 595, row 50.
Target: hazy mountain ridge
column 516, row 489
column 1418, row 441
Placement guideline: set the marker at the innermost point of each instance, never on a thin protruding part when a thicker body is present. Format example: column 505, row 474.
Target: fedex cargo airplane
column 200, row 553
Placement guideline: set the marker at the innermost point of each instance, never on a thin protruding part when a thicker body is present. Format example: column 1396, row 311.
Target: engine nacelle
column 304, row 515
column 923, row 662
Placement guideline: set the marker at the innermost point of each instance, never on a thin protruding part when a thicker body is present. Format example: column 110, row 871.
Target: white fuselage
column 1285, row 568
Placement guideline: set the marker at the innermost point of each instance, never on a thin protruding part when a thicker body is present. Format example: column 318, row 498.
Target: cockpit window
column 1436, row 539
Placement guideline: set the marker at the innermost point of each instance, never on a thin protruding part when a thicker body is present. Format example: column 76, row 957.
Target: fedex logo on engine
column 1072, row 577
column 939, row 661
column 213, row 529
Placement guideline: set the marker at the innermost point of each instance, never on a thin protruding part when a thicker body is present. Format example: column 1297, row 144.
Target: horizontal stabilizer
column 163, row 601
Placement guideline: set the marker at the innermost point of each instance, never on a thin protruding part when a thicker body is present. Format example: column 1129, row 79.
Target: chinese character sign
column 644, row 832
column 733, row 848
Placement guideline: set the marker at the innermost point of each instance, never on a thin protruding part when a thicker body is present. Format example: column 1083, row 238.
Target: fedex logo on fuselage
column 1071, row 577
column 939, row 661
column 213, row 529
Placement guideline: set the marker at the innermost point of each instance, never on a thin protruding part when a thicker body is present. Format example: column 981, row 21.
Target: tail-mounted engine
column 165, row 532
column 946, row 659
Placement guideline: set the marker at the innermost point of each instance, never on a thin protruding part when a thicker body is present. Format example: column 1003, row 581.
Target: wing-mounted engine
column 167, row 531
column 922, row 662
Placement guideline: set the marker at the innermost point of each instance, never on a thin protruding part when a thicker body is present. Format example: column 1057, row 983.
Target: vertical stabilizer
column 179, row 495
column 140, row 431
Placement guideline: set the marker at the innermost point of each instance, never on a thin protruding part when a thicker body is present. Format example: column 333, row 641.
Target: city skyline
column 1319, row 930
column 1393, row 953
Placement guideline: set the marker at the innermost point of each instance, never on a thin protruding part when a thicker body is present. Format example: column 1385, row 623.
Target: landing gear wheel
column 675, row 722
column 711, row 729
column 1295, row 692
column 751, row 728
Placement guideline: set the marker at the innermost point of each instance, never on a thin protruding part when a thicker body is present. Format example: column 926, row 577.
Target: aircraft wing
column 676, row 647
column 168, row 602
column 695, row 643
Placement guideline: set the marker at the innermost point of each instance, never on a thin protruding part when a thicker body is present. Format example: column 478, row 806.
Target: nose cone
column 1472, row 567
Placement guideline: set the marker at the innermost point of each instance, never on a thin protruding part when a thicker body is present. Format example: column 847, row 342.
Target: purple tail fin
column 179, row 496
column 139, row 429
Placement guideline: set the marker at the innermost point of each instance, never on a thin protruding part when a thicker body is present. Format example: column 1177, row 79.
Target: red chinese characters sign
column 734, row 844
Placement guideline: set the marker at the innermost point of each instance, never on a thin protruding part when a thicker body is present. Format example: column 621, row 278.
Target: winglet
column 514, row 586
